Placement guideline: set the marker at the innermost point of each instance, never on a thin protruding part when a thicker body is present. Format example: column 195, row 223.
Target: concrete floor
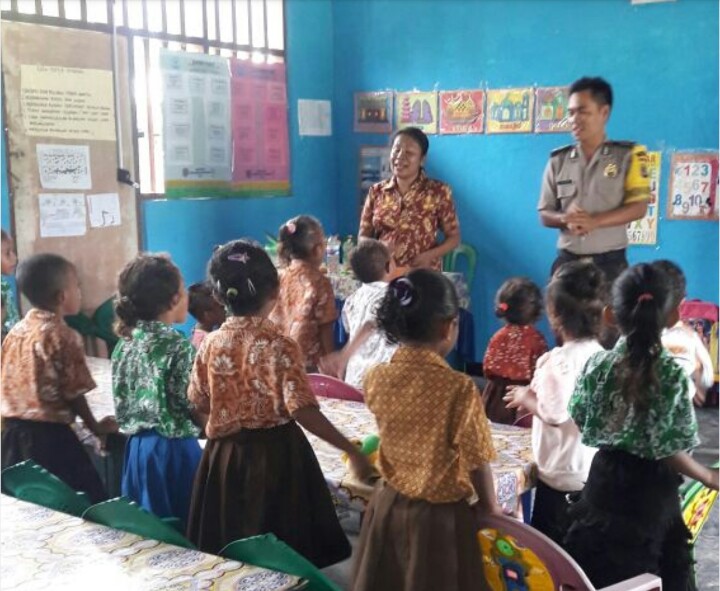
column 706, row 549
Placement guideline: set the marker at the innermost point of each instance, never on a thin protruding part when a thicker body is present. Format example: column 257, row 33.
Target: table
column 514, row 471
column 45, row 549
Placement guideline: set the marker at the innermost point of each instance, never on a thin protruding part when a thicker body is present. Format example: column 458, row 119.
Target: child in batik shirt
column 151, row 368
column 305, row 310
column 258, row 472
column 8, row 261
column 632, row 404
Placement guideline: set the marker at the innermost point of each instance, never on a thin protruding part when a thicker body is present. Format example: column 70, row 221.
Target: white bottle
column 332, row 254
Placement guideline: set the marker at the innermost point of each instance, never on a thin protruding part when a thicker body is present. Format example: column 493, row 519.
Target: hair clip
column 239, row 257
column 644, row 297
column 251, row 287
column 231, row 293
column 503, row 307
column 291, row 227
column 403, row 290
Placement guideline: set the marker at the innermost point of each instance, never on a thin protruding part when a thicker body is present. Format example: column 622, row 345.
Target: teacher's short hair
column 599, row 89
column 417, row 135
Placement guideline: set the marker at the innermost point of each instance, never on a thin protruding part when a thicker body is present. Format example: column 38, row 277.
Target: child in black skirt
column 632, row 403
column 258, row 473
column 45, row 378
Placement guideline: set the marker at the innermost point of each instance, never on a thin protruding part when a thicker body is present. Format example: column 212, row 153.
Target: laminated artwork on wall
column 644, row 230
column 510, row 110
column 693, row 186
column 417, row 109
column 374, row 166
column 373, row 112
column 551, row 114
column 462, row 111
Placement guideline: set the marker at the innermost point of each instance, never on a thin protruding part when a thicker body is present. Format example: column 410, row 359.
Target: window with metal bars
column 246, row 29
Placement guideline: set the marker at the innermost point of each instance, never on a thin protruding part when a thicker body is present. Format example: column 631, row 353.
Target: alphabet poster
column 510, row 110
column 644, row 230
column 693, row 186
column 417, row 109
column 462, row 111
column 373, row 112
column 551, row 109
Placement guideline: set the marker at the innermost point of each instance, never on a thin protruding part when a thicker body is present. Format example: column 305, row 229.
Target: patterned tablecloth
column 45, row 549
column 514, row 471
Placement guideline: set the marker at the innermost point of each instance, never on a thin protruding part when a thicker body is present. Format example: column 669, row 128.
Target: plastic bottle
column 347, row 246
column 332, row 254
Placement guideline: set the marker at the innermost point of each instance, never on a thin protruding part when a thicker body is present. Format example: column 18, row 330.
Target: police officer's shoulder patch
column 557, row 151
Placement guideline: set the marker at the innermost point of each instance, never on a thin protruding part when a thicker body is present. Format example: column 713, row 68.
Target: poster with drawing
column 644, row 230
column 693, row 186
column 551, row 109
column 462, row 111
column 374, row 167
column 104, row 210
column 64, row 166
column 373, row 112
column 510, row 110
column 417, row 109
column 62, row 214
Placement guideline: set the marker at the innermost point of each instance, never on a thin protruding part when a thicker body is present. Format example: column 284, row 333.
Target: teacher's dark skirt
column 413, row 545
column 628, row 522
column 56, row 448
column 261, row 481
column 492, row 396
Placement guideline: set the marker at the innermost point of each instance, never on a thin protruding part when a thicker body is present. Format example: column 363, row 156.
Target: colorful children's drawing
column 462, row 111
column 644, row 230
column 373, row 112
column 551, row 109
column 510, row 110
column 417, row 109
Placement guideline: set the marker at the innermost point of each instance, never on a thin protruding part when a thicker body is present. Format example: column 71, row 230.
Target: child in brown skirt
column 420, row 529
column 258, row 473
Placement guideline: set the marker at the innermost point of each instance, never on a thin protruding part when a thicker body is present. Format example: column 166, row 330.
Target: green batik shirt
column 150, row 376
column 8, row 304
column 605, row 420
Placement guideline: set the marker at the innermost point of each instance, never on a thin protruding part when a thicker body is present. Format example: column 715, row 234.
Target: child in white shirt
column 574, row 301
column 682, row 342
column 367, row 346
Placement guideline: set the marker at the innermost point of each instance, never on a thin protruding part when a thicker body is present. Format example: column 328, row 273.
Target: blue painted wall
column 661, row 59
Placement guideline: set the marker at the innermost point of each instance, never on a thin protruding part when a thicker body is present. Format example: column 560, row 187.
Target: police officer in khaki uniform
column 592, row 189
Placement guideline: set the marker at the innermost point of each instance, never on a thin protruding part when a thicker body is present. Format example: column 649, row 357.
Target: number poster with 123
column 693, row 186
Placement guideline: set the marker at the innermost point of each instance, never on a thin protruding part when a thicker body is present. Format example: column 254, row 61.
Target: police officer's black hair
column 600, row 89
column 369, row 260
column 416, row 306
column 200, row 299
column 146, row 288
column 416, row 134
column 575, row 299
column 243, row 277
column 297, row 237
column 518, row 301
column 42, row 277
column 676, row 281
column 641, row 302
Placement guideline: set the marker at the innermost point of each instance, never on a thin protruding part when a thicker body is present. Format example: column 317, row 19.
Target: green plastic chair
column 267, row 551
column 103, row 320
column 124, row 514
column 31, row 482
column 450, row 261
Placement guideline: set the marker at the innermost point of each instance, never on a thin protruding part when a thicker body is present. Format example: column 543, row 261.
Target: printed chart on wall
column 693, row 186
column 417, row 109
column 510, row 110
column 261, row 162
column 196, row 115
column 462, row 111
column 644, row 230
column 374, row 167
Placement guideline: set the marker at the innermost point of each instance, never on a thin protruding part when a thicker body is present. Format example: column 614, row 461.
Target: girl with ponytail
column 632, row 403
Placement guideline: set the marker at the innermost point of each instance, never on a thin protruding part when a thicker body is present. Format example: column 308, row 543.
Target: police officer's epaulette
column 557, row 151
column 622, row 144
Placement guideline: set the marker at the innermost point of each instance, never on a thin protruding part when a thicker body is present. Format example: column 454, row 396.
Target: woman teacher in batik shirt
column 407, row 211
